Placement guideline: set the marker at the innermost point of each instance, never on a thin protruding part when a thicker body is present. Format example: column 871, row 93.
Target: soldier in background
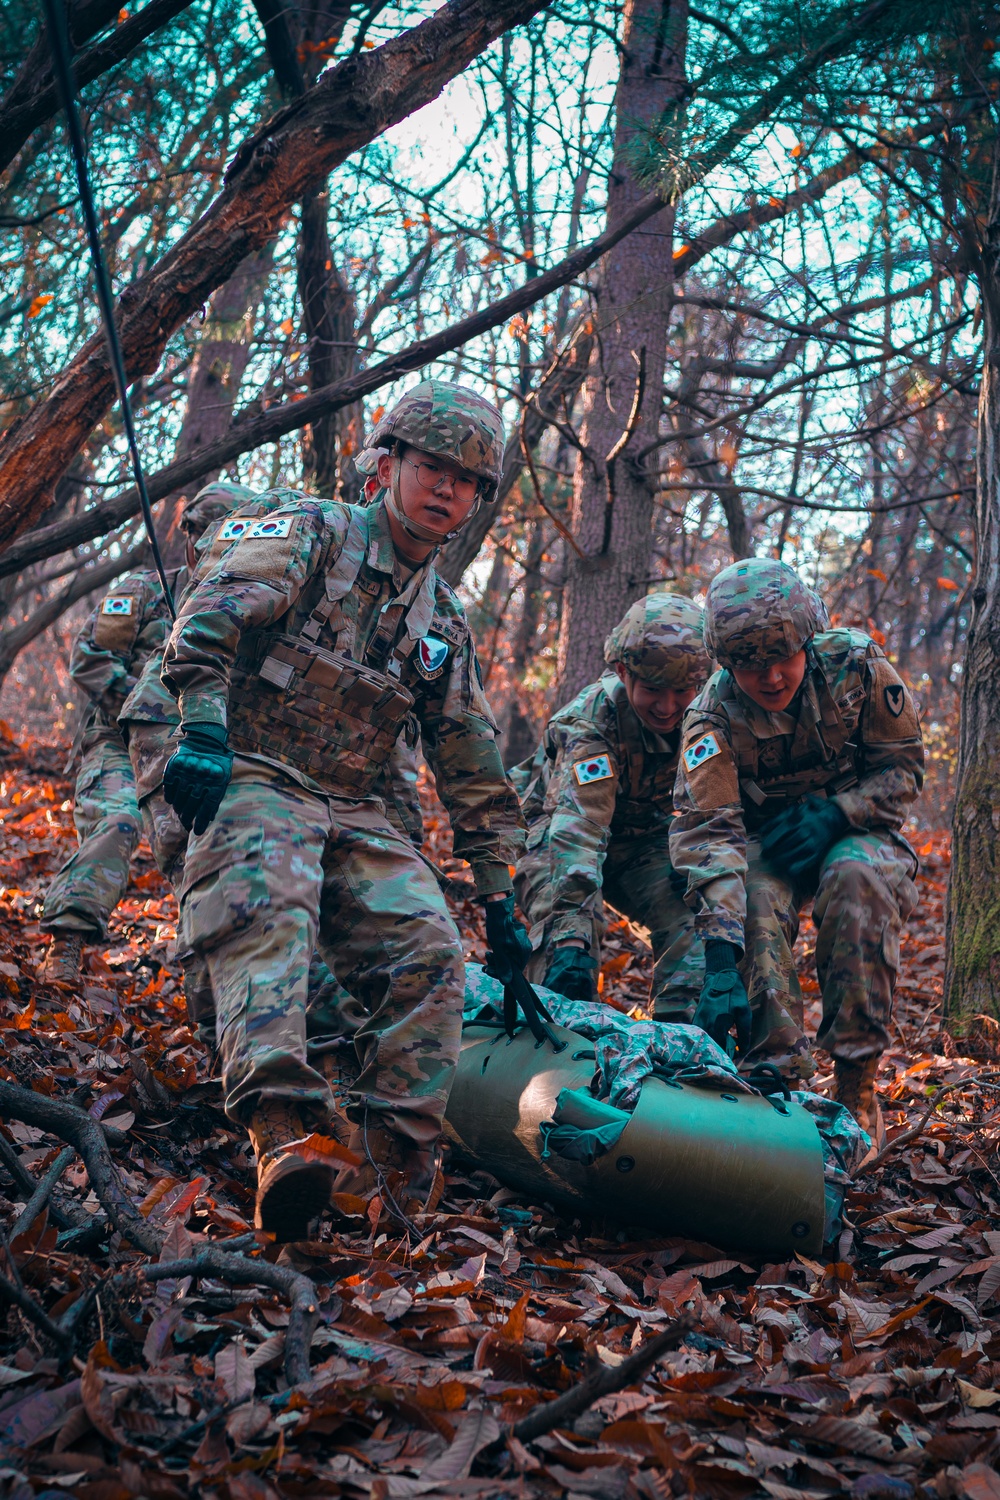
column 598, row 800
column 297, row 662
column 128, row 625
column 799, row 762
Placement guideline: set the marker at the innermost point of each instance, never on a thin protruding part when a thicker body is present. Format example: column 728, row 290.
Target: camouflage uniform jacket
column 130, row 624
column 599, row 774
column 274, row 583
column 851, row 733
column 149, row 701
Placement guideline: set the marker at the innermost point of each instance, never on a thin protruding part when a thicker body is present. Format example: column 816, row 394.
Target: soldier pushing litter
column 297, row 662
column 598, row 799
column 799, row 761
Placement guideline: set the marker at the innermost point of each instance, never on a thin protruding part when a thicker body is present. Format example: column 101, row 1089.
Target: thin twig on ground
column 907, row 1136
column 42, row 1194
column 602, row 1381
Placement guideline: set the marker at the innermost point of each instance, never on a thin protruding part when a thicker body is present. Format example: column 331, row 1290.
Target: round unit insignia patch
column 432, row 653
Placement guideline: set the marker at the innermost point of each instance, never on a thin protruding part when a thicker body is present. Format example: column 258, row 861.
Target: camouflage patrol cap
column 450, row 420
column 660, row 642
column 759, row 611
column 211, row 503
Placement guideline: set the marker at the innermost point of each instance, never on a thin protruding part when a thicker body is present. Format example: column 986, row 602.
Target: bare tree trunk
column 522, row 733
column 214, row 382
column 972, row 974
column 623, row 393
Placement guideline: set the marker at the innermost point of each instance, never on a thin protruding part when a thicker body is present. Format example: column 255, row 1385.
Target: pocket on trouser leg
column 224, row 889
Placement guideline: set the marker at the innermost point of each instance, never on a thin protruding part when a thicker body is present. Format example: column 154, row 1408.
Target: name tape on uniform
column 597, row 768
column 235, row 527
column 272, row 527
column 695, row 755
column 117, row 604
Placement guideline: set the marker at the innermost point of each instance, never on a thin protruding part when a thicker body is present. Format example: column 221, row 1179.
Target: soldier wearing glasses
column 297, row 664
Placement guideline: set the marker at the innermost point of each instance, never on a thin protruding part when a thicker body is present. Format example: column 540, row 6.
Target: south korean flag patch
column 117, row 604
column 597, row 768
column 272, row 528
column 432, row 655
column 235, row 527
column 702, row 750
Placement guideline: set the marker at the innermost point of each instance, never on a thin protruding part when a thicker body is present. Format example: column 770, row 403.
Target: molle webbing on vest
column 832, row 767
column 322, row 711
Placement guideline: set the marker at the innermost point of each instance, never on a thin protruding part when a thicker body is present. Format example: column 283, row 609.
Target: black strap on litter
column 55, row 15
column 768, row 1080
column 519, row 997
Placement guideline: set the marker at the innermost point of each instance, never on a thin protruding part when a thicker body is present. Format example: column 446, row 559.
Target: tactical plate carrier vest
column 829, row 761
column 322, row 711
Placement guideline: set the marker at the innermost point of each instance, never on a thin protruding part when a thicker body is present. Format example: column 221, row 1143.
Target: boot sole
column 290, row 1204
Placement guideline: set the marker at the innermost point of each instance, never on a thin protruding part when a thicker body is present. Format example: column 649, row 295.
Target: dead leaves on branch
column 876, row 1375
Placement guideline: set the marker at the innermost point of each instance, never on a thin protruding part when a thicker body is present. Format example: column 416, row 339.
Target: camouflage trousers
column 91, row 883
column 281, row 870
column 636, row 882
column 150, row 746
column 863, row 896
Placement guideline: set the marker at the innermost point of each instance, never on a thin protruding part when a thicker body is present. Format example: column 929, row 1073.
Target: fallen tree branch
column 297, row 1289
column 18, row 1297
column 86, row 1135
column 601, row 1381
column 43, row 1192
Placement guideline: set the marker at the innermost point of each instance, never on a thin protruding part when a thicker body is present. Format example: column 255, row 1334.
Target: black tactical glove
column 197, row 774
column 506, row 939
column 723, row 1002
column 796, row 841
column 571, row 973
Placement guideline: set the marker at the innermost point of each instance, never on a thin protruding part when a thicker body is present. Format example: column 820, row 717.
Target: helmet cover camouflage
column 211, row 503
column 449, row 420
column 759, row 611
column 659, row 641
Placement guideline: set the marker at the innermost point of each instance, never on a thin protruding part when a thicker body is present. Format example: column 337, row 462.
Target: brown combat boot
column 854, row 1088
column 293, row 1183
column 402, row 1173
column 62, row 962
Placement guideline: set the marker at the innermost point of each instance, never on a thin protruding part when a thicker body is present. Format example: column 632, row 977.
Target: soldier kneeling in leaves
column 297, row 663
column 799, row 761
column 598, row 800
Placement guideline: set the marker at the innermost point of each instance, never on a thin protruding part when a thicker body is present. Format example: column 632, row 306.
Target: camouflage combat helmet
column 759, row 611
column 450, row 420
column 659, row 641
column 211, row 503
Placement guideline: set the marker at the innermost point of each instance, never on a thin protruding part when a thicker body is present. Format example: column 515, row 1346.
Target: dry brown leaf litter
column 876, row 1375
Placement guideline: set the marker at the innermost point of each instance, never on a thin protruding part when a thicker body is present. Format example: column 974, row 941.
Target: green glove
column 723, row 1003
column 797, row 839
column 197, row 774
column 571, row 973
column 507, row 940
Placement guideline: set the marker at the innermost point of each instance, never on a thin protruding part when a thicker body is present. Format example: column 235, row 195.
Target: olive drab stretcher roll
column 733, row 1168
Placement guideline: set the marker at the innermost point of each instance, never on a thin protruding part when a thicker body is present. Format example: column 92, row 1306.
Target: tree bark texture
column 329, row 317
column 623, row 392
column 288, row 158
column 972, row 970
column 214, row 382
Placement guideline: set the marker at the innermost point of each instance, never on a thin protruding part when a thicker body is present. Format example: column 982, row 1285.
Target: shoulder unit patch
column 118, row 604
column 895, row 698
column 432, row 654
column 702, row 750
column 597, row 768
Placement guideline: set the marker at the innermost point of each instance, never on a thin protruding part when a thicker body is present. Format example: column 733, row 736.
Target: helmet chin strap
column 416, row 529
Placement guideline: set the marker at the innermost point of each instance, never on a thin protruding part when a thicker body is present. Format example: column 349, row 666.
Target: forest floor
column 124, row 1375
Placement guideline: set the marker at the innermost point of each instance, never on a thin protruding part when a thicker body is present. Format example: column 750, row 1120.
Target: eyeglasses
column 432, row 477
